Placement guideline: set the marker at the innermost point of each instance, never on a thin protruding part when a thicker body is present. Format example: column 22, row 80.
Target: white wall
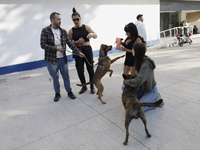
column 21, row 23
column 183, row 15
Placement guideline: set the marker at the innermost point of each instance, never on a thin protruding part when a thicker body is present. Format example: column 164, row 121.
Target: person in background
column 141, row 28
column 132, row 37
column 180, row 29
column 181, row 24
column 53, row 40
column 144, row 81
column 195, row 29
column 80, row 35
column 185, row 26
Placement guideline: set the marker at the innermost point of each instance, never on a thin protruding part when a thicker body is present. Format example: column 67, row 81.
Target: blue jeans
column 53, row 71
column 146, row 97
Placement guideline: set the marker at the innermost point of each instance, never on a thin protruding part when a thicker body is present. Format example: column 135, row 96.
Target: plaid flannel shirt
column 47, row 43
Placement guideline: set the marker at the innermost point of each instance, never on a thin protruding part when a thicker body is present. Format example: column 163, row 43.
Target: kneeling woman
column 144, row 80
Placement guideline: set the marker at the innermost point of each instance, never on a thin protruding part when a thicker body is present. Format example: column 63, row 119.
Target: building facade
column 21, row 23
column 173, row 12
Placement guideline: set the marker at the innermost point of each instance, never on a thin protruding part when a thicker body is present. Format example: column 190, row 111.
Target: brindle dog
column 133, row 108
column 102, row 68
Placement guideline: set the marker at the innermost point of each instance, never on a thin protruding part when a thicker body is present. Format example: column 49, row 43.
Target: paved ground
column 30, row 120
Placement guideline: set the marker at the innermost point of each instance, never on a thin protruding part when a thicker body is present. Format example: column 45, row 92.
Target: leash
column 78, row 55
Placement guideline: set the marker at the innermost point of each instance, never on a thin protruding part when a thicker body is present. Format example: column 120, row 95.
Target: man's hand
column 81, row 55
column 60, row 49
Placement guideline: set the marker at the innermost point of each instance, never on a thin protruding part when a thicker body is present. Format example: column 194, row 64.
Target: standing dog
column 102, row 68
column 133, row 108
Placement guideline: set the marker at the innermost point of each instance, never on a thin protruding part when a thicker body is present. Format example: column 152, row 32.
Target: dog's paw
column 125, row 143
column 122, row 56
column 149, row 135
column 103, row 102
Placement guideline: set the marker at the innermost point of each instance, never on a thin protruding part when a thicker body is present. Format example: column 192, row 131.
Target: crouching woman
column 144, row 80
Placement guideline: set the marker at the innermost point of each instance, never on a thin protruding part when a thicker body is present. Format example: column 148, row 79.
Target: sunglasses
column 77, row 19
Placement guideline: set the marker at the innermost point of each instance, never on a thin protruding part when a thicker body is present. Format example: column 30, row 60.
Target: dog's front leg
column 112, row 61
column 111, row 71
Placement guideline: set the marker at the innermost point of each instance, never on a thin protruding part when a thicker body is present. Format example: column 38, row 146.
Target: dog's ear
column 124, row 76
column 105, row 46
column 134, row 76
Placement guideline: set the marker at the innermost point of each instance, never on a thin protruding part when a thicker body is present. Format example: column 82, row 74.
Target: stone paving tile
column 31, row 120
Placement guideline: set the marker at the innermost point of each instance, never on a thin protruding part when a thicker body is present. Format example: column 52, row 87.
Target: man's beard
column 57, row 25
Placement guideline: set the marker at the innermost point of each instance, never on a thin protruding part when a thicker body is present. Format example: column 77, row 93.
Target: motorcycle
column 182, row 39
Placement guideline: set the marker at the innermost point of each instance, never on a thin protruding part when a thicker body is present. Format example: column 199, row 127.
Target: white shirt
column 57, row 41
column 141, row 30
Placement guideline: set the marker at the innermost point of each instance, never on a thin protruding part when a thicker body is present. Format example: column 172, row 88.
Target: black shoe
column 84, row 88
column 57, row 97
column 71, row 95
column 92, row 89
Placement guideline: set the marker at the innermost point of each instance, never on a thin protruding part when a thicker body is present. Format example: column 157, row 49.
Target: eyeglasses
column 77, row 19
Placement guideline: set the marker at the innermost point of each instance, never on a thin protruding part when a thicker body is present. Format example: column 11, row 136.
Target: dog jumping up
column 103, row 67
column 133, row 108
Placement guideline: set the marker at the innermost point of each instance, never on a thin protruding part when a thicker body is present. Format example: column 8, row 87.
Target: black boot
column 84, row 88
column 124, row 76
column 71, row 95
column 57, row 97
column 92, row 88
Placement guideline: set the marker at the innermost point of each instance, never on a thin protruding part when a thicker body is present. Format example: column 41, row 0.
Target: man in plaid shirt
column 53, row 40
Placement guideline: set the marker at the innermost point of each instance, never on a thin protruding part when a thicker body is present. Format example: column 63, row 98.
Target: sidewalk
column 30, row 120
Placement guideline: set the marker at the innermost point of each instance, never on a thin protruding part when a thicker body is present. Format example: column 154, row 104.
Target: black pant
column 79, row 62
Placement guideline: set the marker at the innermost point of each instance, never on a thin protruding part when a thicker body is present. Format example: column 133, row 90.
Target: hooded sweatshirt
column 141, row 29
column 145, row 77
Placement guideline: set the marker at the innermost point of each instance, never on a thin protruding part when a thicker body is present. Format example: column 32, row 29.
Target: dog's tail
column 84, row 84
column 156, row 104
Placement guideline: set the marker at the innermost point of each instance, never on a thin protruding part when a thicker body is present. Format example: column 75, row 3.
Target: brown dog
column 133, row 108
column 102, row 68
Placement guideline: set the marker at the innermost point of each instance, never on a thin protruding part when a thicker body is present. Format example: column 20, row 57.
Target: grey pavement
column 30, row 120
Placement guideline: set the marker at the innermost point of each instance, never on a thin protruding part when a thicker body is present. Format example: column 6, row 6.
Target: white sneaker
column 158, row 97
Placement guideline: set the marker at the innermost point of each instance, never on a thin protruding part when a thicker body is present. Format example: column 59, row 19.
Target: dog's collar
column 103, row 57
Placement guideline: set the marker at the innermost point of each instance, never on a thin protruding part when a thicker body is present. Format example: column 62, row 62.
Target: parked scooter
column 182, row 39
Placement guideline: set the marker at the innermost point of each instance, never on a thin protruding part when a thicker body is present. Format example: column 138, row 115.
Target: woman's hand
column 125, row 82
column 91, row 35
column 123, row 48
column 81, row 40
